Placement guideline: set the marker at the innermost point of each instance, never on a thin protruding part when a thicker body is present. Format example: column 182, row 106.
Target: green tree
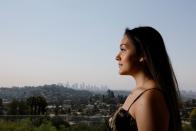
column 31, row 102
column 41, row 103
column 18, row 108
column 13, row 107
column 23, row 108
column 186, row 127
column 46, row 127
column 58, row 122
column 193, row 119
column 1, row 106
column 37, row 105
column 1, row 102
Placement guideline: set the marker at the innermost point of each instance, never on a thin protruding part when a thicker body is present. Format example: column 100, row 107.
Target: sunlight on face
column 127, row 57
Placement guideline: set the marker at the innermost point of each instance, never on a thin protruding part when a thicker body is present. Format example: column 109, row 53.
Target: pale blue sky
column 55, row 41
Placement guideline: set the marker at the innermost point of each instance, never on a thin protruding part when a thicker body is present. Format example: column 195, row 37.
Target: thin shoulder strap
column 141, row 94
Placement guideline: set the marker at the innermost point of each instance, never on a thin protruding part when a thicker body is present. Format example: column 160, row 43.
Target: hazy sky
column 55, row 41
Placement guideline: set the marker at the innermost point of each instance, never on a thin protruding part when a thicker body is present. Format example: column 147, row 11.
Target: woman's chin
column 122, row 73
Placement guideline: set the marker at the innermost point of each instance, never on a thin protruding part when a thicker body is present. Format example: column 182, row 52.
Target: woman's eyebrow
column 123, row 44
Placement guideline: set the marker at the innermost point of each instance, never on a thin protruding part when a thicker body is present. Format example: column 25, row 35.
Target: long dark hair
column 149, row 44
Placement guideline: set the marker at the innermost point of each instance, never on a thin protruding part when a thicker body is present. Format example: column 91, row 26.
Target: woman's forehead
column 125, row 41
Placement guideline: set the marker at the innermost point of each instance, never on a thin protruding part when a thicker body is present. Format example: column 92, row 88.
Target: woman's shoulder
column 150, row 93
column 150, row 96
column 144, row 93
column 151, row 107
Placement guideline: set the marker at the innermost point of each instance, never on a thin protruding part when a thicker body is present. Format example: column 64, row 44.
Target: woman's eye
column 122, row 49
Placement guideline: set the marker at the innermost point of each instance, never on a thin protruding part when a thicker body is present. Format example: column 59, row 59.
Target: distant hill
column 52, row 93
column 57, row 93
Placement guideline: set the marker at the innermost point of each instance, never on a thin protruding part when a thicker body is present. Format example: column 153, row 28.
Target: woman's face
column 127, row 58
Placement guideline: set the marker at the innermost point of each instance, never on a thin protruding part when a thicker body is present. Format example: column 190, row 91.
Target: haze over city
column 48, row 42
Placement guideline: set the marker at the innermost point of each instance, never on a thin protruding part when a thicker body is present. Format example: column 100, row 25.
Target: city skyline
column 50, row 42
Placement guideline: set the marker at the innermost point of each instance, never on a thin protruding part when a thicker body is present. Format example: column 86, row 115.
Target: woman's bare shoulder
column 152, row 108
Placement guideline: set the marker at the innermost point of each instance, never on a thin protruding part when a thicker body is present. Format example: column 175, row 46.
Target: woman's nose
column 117, row 57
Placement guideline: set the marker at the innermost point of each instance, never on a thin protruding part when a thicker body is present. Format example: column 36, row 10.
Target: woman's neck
column 141, row 79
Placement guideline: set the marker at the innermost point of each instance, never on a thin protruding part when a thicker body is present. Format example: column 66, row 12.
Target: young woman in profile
column 153, row 105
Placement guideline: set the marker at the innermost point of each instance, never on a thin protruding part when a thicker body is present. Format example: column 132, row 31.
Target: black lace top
column 122, row 120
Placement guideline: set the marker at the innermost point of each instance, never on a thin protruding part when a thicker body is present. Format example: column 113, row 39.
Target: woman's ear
column 141, row 59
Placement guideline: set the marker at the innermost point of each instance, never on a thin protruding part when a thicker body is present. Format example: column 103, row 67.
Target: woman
column 153, row 104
